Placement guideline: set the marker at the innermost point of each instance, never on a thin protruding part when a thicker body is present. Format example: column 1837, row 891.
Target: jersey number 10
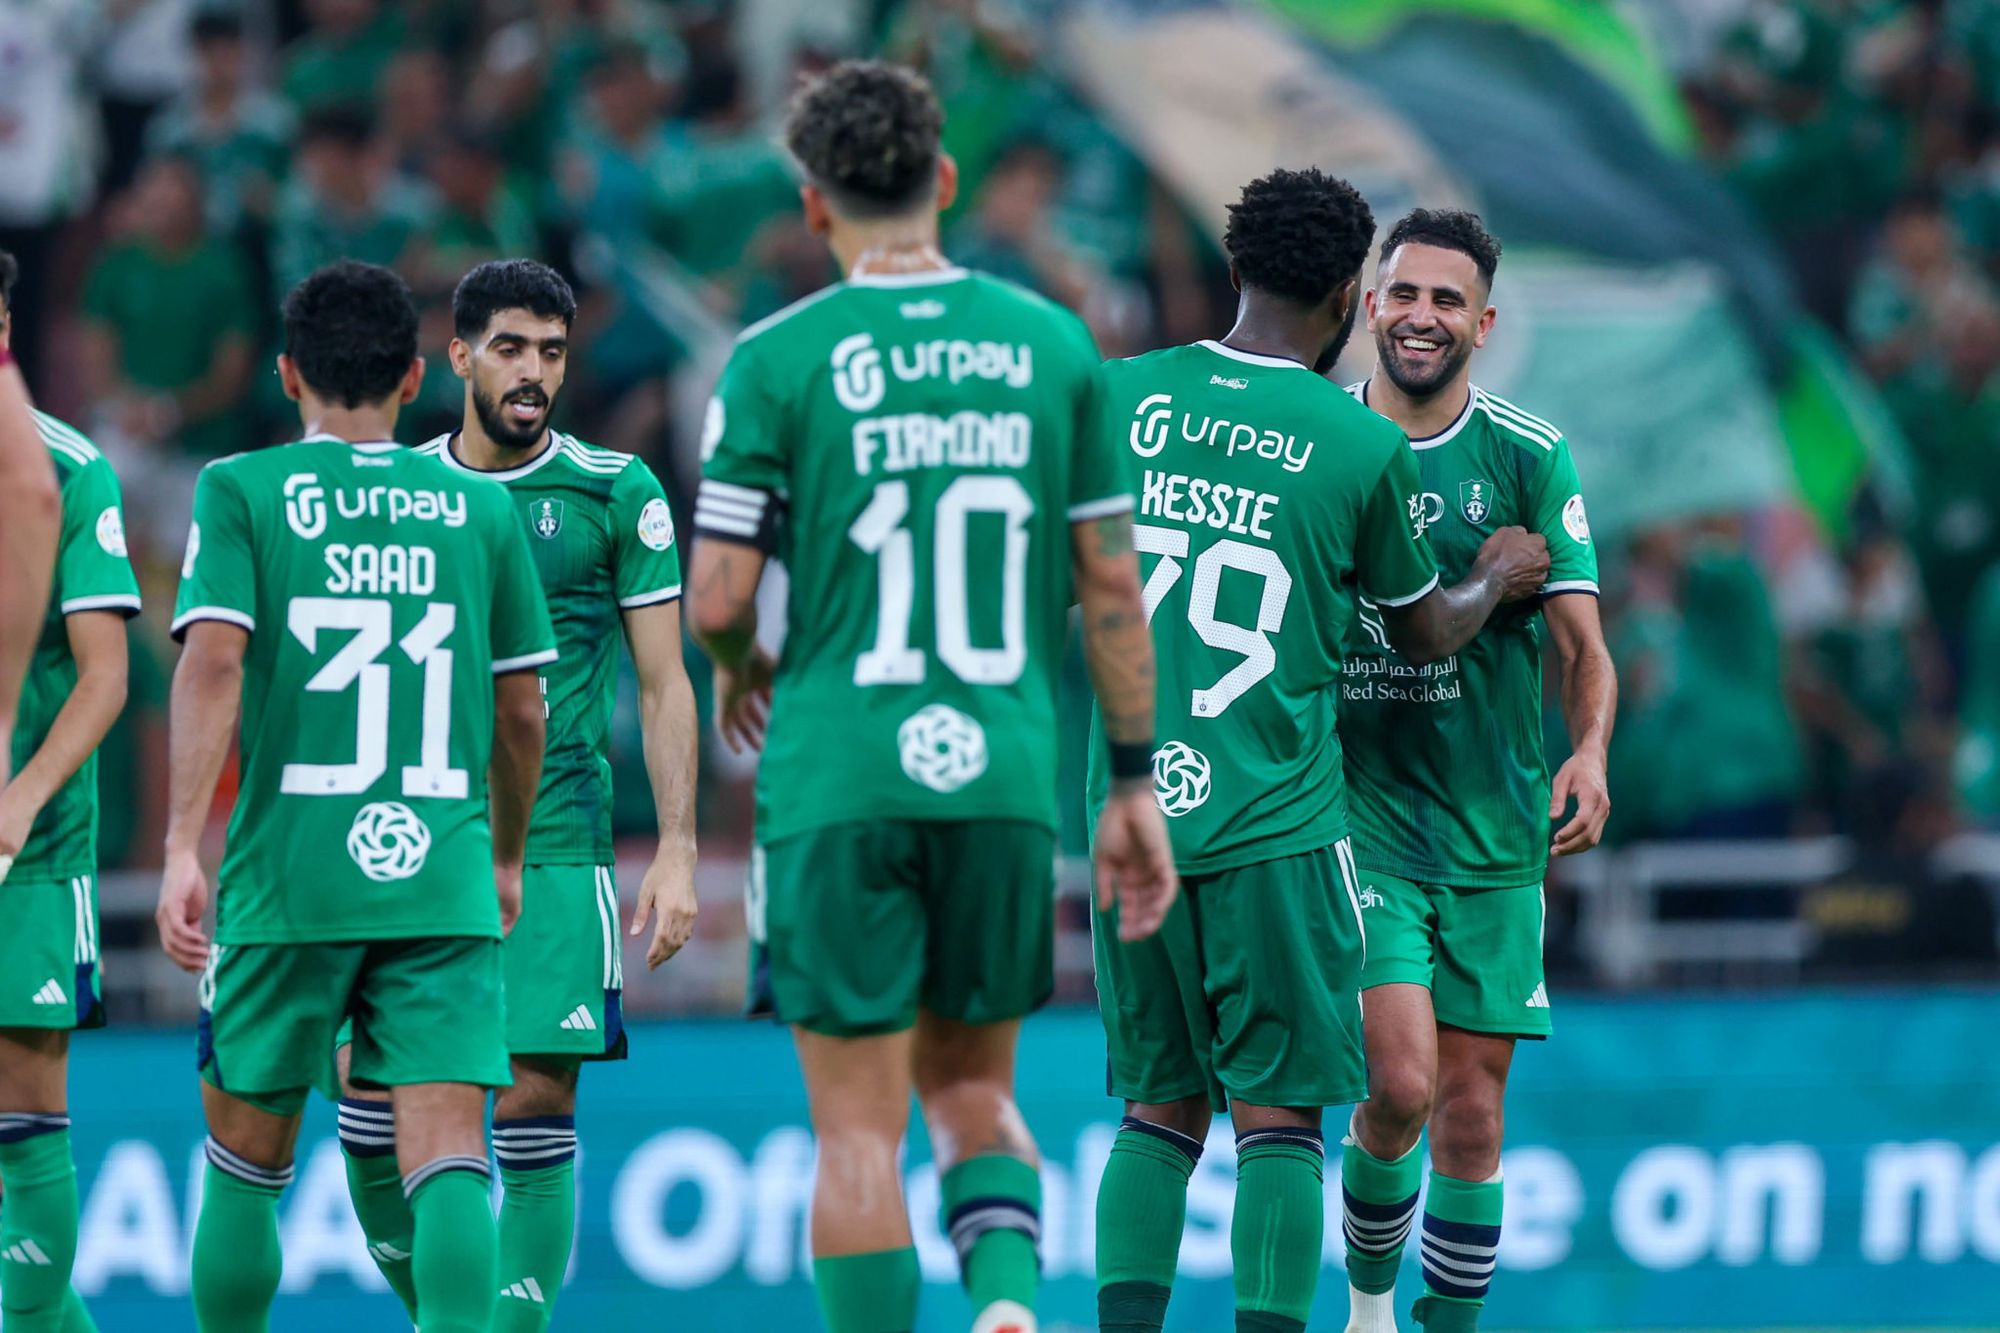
column 1260, row 658
column 880, row 532
column 356, row 666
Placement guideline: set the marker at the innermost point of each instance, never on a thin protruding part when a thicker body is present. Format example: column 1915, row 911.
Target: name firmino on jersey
column 911, row 440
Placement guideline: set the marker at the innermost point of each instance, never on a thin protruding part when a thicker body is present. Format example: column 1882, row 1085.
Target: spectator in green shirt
column 238, row 135
column 168, row 318
column 342, row 55
column 346, row 200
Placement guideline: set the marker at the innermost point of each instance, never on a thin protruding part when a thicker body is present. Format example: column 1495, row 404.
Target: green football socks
column 1279, row 1225
column 38, row 1225
column 1378, row 1206
column 868, row 1293
column 236, row 1259
column 537, row 1217
column 375, row 1184
column 1461, row 1245
column 456, row 1259
column 991, row 1208
column 1141, row 1211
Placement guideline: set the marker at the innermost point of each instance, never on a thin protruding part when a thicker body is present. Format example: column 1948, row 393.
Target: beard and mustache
column 1420, row 381
column 504, row 429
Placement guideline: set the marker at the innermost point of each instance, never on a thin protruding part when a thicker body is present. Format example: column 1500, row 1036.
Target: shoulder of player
column 754, row 334
column 1524, row 429
column 69, row 448
column 590, row 459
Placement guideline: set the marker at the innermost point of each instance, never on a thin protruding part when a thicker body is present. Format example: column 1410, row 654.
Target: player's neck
column 366, row 424
column 1264, row 331
column 1422, row 417
column 476, row 449
column 891, row 247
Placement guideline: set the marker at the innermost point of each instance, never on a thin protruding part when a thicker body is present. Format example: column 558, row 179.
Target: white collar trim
column 1252, row 358
column 450, row 455
column 927, row 278
column 1442, row 437
column 365, row 446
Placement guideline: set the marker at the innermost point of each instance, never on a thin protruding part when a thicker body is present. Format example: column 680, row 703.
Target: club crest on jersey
column 545, row 516
column 1475, row 501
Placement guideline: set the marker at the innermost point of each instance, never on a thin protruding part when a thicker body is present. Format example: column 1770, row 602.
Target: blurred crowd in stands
column 169, row 167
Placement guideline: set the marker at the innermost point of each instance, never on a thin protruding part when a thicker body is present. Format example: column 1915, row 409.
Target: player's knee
column 1399, row 1098
column 1466, row 1130
column 975, row 1117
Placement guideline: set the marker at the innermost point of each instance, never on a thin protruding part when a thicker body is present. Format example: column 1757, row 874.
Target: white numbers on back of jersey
column 1251, row 642
column 880, row 532
column 355, row 665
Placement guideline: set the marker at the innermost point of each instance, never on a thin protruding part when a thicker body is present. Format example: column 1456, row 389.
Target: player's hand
column 667, row 896
column 183, row 906
column 1583, row 778
column 1135, row 862
column 507, row 885
column 17, row 816
column 743, row 701
column 1521, row 560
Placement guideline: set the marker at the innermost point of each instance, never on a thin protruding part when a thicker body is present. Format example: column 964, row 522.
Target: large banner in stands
column 1826, row 1160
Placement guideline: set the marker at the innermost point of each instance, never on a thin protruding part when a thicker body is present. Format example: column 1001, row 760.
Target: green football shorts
column 565, row 972
column 48, row 953
column 1478, row 951
column 1249, row 991
column 853, row 927
column 424, row 1011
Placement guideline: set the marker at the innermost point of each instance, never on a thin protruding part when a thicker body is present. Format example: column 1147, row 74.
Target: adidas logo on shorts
column 51, row 993
column 527, row 1289
column 25, row 1251
column 1540, row 999
column 579, row 1021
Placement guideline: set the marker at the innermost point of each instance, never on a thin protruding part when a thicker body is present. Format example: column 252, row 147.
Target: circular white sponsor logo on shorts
column 1574, row 521
column 388, row 841
column 656, row 525
column 1180, row 777
column 941, row 748
column 111, row 532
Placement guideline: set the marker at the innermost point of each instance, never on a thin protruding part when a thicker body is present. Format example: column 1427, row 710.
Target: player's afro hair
column 1448, row 229
column 867, row 132
column 510, row 284
column 10, row 273
column 1298, row 234
column 351, row 329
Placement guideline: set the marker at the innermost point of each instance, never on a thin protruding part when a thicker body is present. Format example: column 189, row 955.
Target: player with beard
column 1269, row 499
column 1453, row 807
column 603, row 544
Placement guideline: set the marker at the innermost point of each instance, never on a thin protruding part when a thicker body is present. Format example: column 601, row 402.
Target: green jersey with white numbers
column 914, row 450
column 91, row 574
column 1269, row 498
column 1445, row 761
column 382, row 591
column 603, row 542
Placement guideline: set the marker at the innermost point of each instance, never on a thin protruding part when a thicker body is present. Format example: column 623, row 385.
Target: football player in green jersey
column 1453, row 806
column 917, row 444
column 1269, row 497
column 375, row 617
column 34, row 520
column 604, row 546
column 48, row 886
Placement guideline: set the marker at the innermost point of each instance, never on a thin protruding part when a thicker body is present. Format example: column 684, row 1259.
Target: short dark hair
column 349, row 125
column 1298, row 234
column 216, row 25
column 351, row 329
column 510, row 284
column 10, row 273
column 867, row 133
column 1448, row 229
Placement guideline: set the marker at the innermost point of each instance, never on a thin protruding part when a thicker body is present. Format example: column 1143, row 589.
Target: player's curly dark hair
column 1448, row 229
column 351, row 329
column 10, row 273
column 510, row 284
column 1298, row 234
column 866, row 132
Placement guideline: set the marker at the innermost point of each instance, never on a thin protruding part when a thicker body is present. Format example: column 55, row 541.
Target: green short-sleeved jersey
column 382, row 591
column 603, row 541
column 91, row 574
column 1445, row 765
column 1269, row 498
column 914, row 449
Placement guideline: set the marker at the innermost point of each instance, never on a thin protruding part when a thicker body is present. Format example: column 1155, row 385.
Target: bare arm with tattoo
column 722, row 616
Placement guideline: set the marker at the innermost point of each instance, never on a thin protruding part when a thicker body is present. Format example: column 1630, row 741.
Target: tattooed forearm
column 1117, row 645
column 1114, row 535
